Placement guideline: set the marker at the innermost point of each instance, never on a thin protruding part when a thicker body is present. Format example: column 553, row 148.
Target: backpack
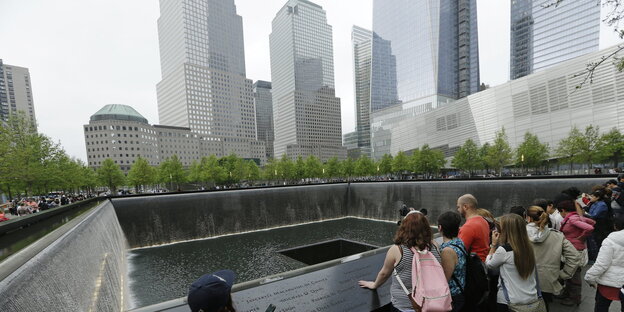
column 436, row 295
column 476, row 287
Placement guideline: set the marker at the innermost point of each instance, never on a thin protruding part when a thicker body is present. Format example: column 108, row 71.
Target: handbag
column 536, row 306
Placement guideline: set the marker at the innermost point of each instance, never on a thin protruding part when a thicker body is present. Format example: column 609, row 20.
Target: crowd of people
column 528, row 258
column 29, row 205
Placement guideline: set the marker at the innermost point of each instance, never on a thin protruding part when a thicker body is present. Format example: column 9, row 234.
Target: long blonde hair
column 514, row 233
column 539, row 216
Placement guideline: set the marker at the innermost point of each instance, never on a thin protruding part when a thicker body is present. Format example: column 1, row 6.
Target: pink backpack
column 430, row 290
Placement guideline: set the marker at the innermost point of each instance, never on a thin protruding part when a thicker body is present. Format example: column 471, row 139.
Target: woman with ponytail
column 550, row 246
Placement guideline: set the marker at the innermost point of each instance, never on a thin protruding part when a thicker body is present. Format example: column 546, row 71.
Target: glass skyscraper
column 543, row 35
column 203, row 84
column 361, row 40
column 263, row 103
column 306, row 111
column 423, row 49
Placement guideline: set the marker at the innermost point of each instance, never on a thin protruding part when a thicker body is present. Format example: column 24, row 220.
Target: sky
column 84, row 54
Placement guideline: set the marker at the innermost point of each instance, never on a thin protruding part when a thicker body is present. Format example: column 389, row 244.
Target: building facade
column 305, row 108
column 263, row 103
column 547, row 104
column 203, row 86
column 121, row 133
column 361, row 39
column 543, row 34
column 16, row 92
column 423, row 49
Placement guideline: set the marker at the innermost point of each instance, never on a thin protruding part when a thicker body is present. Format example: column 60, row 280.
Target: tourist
column 414, row 232
column 212, row 292
column 512, row 254
column 490, row 303
column 576, row 228
column 550, row 246
column 600, row 212
column 453, row 254
column 519, row 210
column 553, row 214
column 607, row 274
column 617, row 198
column 475, row 233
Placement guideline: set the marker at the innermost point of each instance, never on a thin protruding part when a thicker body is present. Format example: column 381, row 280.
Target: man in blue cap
column 211, row 292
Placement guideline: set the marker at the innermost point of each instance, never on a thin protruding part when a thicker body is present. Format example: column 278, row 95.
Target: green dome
column 118, row 112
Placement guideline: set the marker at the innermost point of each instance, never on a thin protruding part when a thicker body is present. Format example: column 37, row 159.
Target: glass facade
column 431, row 47
column 362, row 43
column 263, row 102
column 305, row 109
column 542, row 35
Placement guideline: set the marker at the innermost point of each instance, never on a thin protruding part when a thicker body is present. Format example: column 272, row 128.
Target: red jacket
column 576, row 229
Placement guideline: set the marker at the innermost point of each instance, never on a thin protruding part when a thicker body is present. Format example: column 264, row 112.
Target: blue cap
column 211, row 292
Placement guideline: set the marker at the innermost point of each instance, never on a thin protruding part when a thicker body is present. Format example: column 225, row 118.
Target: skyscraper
column 203, row 84
column 305, row 109
column 543, row 35
column 362, row 53
column 430, row 46
column 263, row 102
column 15, row 92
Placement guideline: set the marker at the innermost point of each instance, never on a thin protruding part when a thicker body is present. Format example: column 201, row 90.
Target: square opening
column 325, row 251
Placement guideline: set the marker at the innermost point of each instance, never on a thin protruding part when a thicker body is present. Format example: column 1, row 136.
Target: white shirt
column 555, row 220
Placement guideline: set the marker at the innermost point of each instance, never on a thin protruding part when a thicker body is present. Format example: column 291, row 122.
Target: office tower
column 430, row 48
column 361, row 40
column 203, row 84
column 263, row 102
column 15, row 92
column 306, row 111
column 543, row 35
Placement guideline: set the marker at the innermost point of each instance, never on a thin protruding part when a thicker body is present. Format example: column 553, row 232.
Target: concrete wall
column 82, row 268
column 152, row 220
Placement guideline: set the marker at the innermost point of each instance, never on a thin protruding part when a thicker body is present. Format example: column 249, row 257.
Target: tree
column 364, row 166
column 568, row 148
column 252, row 170
column 269, row 171
column 286, row 168
column 313, row 167
column 589, row 146
column 429, row 161
column 385, row 164
column 110, row 175
column 212, row 171
column 531, row 153
column 612, row 146
column 347, row 167
column 483, row 152
column 332, row 168
column 468, row 158
column 172, row 172
column 89, row 179
column 499, row 154
column 400, row 164
column 142, row 173
column 300, row 172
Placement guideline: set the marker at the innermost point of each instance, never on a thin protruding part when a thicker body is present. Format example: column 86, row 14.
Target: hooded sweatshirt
column 609, row 267
column 549, row 246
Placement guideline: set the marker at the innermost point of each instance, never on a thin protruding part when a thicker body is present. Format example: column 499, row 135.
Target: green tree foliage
column 286, row 169
column 468, row 158
column 142, row 174
column 313, row 167
column 568, row 148
column 269, row 171
column 589, row 146
column 428, row 161
column 364, row 166
column 252, row 171
column 385, row 164
column 500, row 153
column 171, row 172
column 332, row 168
column 299, row 172
column 347, row 167
column 612, row 146
column 531, row 153
column 400, row 163
column 110, row 175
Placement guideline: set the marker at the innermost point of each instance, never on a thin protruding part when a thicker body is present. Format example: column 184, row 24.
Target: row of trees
column 31, row 163
column 587, row 147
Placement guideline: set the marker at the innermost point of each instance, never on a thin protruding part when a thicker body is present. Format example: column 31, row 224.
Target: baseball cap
column 211, row 292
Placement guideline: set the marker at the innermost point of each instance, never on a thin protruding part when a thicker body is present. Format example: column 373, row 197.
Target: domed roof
column 118, row 112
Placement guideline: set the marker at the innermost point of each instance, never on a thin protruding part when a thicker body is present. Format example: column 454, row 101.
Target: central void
column 162, row 273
